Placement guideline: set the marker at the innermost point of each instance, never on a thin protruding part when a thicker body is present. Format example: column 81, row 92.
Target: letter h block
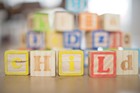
column 127, row 62
column 42, row 63
column 16, row 62
column 102, row 64
column 72, row 39
column 71, row 63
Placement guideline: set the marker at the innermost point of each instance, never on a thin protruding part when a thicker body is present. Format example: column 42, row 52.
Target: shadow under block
column 88, row 21
column 115, row 39
column 127, row 40
column 110, row 22
column 64, row 21
column 71, row 63
column 42, row 63
column 16, row 62
column 72, row 39
column 98, row 38
column 35, row 40
column 127, row 62
column 76, row 6
column 54, row 40
column 38, row 22
column 102, row 64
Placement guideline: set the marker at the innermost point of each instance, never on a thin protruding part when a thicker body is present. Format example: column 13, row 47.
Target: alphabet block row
column 71, row 63
column 65, row 21
column 73, row 39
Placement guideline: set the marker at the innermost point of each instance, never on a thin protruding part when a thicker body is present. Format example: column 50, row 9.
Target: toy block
column 102, row 63
column 38, row 22
column 127, row 62
column 71, row 63
column 42, row 63
column 88, row 21
column 76, row 6
column 64, row 21
column 72, row 39
column 35, row 40
column 98, row 38
column 110, row 22
column 23, row 41
column 126, row 40
column 16, row 62
column 54, row 40
column 115, row 39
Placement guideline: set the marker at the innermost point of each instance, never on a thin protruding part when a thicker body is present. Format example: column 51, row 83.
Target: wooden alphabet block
column 71, row 63
column 102, row 64
column 127, row 62
column 54, row 40
column 30, row 22
column 127, row 40
column 35, row 40
column 16, row 62
column 98, row 38
column 41, row 22
column 42, row 63
column 72, row 39
column 64, row 21
column 76, row 5
column 110, row 22
column 88, row 21
column 115, row 39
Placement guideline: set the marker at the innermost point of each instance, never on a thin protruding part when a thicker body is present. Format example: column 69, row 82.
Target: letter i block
column 127, row 62
column 88, row 21
column 42, row 63
column 115, row 39
column 72, row 39
column 41, row 22
column 102, row 64
column 35, row 40
column 110, row 22
column 71, row 63
column 97, row 39
column 16, row 62
column 64, row 21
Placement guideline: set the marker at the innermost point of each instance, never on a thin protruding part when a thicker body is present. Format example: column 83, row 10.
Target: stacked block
column 71, row 63
column 72, row 39
column 126, row 40
column 102, row 64
column 16, row 62
column 64, row 21
column 42, row 63
column 88, row 21
column 97, row 39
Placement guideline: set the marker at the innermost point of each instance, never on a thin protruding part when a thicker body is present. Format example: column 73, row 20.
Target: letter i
column 71, row 63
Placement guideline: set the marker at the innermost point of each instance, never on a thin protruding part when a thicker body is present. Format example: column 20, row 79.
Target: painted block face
column 71, row 63
column 42, row 63
column 54, row 40
column 102, row 64
column 110, row 22
column 97, row 39
column 126, row 40
column 88, row 21
column 76, row 6
column 72, row 39
column 16, row 62
column 127, row 62
column 30, row 22
column 64, row 21
column 35, row 40
column 115, row 39
column 41, row 22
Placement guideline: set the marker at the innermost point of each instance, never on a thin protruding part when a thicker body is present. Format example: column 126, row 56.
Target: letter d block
column 102, row 64
column 127, row 62
column 71, row 63
column 16, row 62
column 42, row 63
